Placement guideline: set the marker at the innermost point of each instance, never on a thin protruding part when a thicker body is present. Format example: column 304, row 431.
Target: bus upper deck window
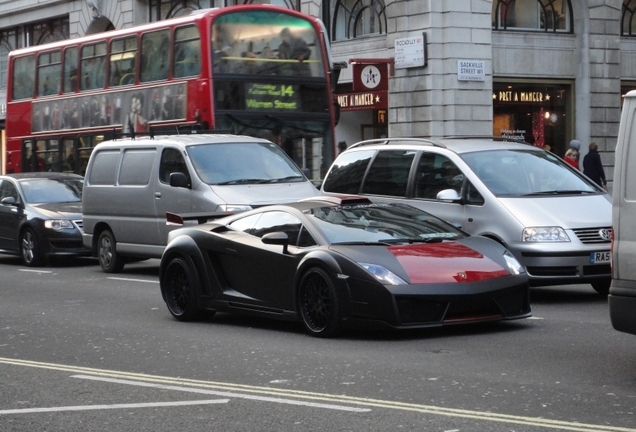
column 187, row 48
column 155, row 55
column 23, row 77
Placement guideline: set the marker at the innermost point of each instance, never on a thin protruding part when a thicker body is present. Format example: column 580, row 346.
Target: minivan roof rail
column 393, row 140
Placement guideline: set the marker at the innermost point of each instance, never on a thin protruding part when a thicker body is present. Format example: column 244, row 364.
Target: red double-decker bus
column 254, row 70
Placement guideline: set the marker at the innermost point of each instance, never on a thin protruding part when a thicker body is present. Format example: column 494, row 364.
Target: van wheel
column 602, row 286
column 109, row 259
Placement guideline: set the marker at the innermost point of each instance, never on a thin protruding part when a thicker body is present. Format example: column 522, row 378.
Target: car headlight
column 514, row 266
column 383, row 275
column 545, row 234
column 58, row 224
column 233, row 208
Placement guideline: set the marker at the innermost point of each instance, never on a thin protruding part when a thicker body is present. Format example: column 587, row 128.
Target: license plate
column 600, row 257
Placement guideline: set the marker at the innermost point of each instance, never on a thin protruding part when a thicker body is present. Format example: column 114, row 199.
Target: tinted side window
column 172, row 161
column 136, row 166
column 434, row 174
column 347, row 172
column 7, row 189
column 278, row 221
column 245, row 224
column 389, row 173
column 104, row 168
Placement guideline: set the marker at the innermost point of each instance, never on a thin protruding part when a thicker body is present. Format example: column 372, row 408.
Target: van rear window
column 103, row 168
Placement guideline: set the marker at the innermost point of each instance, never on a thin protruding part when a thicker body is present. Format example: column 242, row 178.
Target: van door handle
column 157, row 195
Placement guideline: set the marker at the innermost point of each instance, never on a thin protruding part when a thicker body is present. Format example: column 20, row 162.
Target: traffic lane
column 142, row 402
column 522, row 366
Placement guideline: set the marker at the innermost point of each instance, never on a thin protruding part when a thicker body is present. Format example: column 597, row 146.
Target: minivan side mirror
column 449, row 195
column 179, row 179
column 276, row 238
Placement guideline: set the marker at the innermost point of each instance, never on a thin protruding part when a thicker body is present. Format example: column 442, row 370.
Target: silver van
column 130, row 184
column 555, row 220
column 622, row 296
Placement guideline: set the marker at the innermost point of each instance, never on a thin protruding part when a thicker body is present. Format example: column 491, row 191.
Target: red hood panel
column 445, row 262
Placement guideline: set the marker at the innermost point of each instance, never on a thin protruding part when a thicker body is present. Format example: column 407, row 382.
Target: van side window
column 136, row 166
column 172, row 161
column 347, row 172
column 104, row 168
column 389, row 173
column 434, row 174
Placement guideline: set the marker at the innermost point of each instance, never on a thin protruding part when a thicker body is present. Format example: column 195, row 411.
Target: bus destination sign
column 275, row 97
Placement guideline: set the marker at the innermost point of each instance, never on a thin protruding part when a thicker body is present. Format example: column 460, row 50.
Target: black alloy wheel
column 318, row 303
column 180, row 285
column 30, row 248
column 109, row 259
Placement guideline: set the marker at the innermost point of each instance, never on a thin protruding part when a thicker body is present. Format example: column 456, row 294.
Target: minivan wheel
column 109, row 259
column 30, row 249
column 602, row 286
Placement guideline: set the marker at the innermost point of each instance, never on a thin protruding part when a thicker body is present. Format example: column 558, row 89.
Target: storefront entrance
column 538, row 113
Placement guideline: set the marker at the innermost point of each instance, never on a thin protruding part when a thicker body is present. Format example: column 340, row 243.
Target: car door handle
column 157, row 195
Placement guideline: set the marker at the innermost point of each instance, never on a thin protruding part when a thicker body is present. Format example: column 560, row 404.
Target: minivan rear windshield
column 243, row 163
column 527, row 173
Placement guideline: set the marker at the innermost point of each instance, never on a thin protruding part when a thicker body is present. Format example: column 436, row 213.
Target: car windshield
column 527, row 173
column 243, row 163
column 41, row 191
column 380, row 223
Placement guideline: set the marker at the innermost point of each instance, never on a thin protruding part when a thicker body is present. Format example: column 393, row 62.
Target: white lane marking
column 533, row 317
column 35, row 271
column 225, row 394
column 114, row 406
column 132, row 280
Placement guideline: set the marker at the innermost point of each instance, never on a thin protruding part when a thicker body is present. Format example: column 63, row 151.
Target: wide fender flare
column 185, row 247
column 317, row 259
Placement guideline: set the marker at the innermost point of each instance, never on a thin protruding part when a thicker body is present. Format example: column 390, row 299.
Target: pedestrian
column 573, row 153
column 593, row 167
column 342, row 146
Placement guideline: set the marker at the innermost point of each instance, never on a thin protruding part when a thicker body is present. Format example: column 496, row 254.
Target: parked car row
column 365, row 249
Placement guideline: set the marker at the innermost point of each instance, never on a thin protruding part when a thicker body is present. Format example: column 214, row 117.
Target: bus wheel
column 29, row 249
column 109, row 259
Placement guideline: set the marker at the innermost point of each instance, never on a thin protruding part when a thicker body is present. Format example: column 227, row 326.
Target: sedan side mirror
column 276, row 238
column 449, row 195
column 8, row 201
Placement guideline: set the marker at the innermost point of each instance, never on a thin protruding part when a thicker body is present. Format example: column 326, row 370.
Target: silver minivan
column 130, row 184
column 555, row 220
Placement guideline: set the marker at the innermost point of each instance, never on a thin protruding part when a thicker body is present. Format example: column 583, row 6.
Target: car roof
column 455, row 144
column 183, row 140
column 42, row 175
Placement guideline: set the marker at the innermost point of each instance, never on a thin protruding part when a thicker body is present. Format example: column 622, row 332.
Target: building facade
column 547, row 71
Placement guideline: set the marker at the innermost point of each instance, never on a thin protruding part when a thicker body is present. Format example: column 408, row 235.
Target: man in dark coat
column 592, row 166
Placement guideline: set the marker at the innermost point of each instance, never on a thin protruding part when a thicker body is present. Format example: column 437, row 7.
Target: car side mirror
column 8, row 201
column 179, row 179
column 449, row 195
column 276, row 238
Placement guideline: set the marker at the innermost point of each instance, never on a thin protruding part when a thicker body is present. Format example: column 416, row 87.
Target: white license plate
column 600, row 257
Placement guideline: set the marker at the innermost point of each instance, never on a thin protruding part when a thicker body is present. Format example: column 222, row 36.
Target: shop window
column 628, row 18
column 532, row 15
column 355, row 18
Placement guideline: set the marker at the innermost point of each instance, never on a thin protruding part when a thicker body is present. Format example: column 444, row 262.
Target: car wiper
column 244, row 181
column 559, row 192
column 287, row 179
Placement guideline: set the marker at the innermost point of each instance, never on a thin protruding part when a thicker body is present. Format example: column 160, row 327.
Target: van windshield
column 243, row 163
column 527, row 173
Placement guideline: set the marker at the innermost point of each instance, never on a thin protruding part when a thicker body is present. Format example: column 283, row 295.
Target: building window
column 628, row 18
column 355, row 18
column 289, row 4
column 164, row 9
column 532, row 15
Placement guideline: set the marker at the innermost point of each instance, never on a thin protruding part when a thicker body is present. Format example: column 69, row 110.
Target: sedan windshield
column 41, row 191
column 243, row 163
column 380, row 223
column 527, row 173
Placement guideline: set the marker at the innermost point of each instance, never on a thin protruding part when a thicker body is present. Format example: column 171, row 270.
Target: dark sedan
column 330, row 262
column 41, row 216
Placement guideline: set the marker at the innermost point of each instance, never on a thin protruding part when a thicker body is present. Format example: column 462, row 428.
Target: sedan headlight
column 58, row 224
column 383, row 275
column 514, row 266
column 545, row 234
